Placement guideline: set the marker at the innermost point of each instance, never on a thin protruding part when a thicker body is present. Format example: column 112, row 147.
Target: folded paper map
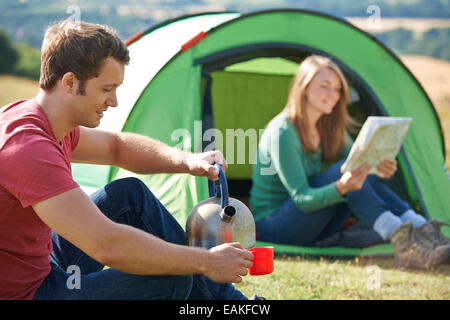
column 380, row 138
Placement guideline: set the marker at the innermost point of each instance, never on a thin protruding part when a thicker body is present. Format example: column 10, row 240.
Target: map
column 380, row 138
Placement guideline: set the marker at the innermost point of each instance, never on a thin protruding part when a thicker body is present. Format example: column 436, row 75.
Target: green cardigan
column 282, row 171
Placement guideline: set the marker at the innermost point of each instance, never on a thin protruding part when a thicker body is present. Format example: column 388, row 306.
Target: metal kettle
column 220, row 219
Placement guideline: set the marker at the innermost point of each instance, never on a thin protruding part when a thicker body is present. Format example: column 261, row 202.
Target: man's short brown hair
column 78, row 47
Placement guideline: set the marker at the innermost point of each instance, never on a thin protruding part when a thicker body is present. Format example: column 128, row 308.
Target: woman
column 292, row 199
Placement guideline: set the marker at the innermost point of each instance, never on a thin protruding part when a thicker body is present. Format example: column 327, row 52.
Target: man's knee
column 129, row 183
column 127, row 187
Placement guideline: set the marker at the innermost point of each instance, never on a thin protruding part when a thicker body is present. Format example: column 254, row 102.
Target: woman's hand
column 353, row 180
column 201, row 164
column 386, row 168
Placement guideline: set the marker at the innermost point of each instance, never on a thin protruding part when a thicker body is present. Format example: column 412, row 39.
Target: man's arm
column 142, row 154
column 76, row 218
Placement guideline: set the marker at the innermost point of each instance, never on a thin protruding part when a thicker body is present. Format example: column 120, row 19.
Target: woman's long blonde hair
column 331, row 126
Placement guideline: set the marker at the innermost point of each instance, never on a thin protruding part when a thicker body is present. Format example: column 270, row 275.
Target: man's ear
column 69, row 83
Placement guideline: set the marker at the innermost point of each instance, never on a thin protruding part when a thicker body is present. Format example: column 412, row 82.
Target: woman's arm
column 287, row 161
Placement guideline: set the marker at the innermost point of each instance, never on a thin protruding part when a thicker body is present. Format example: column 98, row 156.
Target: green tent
column 227, row 74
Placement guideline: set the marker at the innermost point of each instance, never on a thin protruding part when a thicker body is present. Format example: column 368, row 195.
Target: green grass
column 297, row 278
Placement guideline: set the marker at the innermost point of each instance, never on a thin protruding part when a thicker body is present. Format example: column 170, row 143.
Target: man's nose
column 112, row 102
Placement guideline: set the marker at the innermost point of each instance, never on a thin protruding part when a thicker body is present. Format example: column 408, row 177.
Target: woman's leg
column 290, row 225
column 380, row 207
column 398, row 206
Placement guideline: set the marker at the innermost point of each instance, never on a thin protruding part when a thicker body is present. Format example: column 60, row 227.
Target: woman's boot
column 431, row 231
column 412, row 252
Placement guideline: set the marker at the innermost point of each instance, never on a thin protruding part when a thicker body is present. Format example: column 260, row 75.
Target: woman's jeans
column 75, row 275
column 290, row 225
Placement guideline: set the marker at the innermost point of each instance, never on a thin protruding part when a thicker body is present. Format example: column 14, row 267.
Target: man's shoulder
column 19, row 118
column 11, row 105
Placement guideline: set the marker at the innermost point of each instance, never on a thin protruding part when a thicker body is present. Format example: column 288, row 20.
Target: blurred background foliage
column 23, row 22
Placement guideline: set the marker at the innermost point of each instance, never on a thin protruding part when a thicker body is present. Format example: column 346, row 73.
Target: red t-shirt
column 33, row 167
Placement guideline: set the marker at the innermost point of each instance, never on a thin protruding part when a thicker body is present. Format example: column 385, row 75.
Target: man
column 122, row 225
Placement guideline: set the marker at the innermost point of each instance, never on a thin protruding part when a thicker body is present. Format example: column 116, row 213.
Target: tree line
column 24, row 60
column 434, row 42
column 21, row 59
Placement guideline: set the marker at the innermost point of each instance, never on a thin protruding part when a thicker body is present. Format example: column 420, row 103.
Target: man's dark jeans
column 130, row 202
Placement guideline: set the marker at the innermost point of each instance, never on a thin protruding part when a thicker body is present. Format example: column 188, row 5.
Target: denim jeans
column 130, row 202
column 290, row 225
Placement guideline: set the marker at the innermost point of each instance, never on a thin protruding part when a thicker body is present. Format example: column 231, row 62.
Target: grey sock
column 386, row 224
column 411, row 215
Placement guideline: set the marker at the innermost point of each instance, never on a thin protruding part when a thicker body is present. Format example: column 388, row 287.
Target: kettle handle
column 219, row 188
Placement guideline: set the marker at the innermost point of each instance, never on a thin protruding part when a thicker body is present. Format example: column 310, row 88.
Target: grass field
column 359, row 278
column 15, row 88
column 434, row 75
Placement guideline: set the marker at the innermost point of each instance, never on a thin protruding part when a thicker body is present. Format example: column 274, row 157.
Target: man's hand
column 76, row 218
column 201, row 164
column 228, row 263
column 386, row 168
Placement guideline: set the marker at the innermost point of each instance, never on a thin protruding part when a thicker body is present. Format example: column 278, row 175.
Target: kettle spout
column 227, row 214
